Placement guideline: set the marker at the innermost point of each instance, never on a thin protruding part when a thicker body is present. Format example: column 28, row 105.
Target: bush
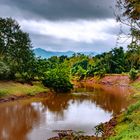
column 4, row 71
column 101, row 73
column 58, row 80
column 133, row 74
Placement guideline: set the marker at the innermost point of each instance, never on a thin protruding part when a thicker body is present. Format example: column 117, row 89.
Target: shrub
column 57, row 79
column 4, row 71
column 101, row 73
column 133, row 74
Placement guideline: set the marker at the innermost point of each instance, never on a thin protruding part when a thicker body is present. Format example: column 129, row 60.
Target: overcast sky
column 63, row 25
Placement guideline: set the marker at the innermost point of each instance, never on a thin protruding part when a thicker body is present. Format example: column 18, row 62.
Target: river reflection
column 17, row 120
column 85, row 108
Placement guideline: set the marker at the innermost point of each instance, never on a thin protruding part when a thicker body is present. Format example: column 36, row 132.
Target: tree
column 58, row 79
column 131, row 8
column 133, row 56
column 8, row 29
column 4, row 70
column 133, row 74
column 110, row 62
column 117, row 60
column 63, row 58
column 15, row 47
column 129, row 14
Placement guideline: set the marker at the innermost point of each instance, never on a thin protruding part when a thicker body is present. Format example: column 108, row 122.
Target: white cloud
column 87, row 31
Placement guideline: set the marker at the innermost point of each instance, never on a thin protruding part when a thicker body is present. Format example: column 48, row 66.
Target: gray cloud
column 54, row 44
column 64, row 9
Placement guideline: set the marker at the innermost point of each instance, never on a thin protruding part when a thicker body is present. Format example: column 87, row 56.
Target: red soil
column 116, row 80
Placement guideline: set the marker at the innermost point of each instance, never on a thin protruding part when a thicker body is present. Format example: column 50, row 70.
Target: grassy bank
column 14, row 88
column 128, row 123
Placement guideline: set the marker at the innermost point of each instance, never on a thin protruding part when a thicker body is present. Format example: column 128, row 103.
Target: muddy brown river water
column 36, row 118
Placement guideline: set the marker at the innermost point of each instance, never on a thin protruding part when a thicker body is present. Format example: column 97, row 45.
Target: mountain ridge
column 39, row 52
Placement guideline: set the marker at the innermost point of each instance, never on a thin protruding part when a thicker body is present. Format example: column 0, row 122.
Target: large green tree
column 15, row 48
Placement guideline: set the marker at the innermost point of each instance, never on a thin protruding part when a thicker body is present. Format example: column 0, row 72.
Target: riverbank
column 108, row 79
column 10, row 90
column 128, row 123
column 124, row 126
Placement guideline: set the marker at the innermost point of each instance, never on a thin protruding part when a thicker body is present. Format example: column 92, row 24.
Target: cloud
column 54, row 44
column 64, row 9
column 62, row 25
column 86, row 31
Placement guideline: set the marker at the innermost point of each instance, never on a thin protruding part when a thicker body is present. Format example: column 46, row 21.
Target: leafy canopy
column 15, row 48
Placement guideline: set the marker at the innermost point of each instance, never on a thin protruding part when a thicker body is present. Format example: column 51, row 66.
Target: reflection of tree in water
column 57, row 103
column 16, row 121
column 111, row 99
column 110, row 102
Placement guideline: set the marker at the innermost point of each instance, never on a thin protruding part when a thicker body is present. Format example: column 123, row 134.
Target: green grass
column 18, row 89
column 133, row 108
column 2, row 93
column 131, row 132
column 128, row 127
column 136, row 85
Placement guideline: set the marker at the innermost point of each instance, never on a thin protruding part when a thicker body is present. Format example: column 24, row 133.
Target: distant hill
column 47, row 54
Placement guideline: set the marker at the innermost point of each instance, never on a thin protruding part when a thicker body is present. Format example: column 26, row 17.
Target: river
column 82, row 110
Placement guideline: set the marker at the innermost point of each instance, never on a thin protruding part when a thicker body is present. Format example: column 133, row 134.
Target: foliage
column 110, row 62
column 116, row 61
column 117, row 64
column 129, row 14
column 133, row 74
column 80, row 68
column 133, row 55
column 101, row 73
column 4, row 70
column 57, row 79
column 81, row 73
column 15, row 48
column 130, row 8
